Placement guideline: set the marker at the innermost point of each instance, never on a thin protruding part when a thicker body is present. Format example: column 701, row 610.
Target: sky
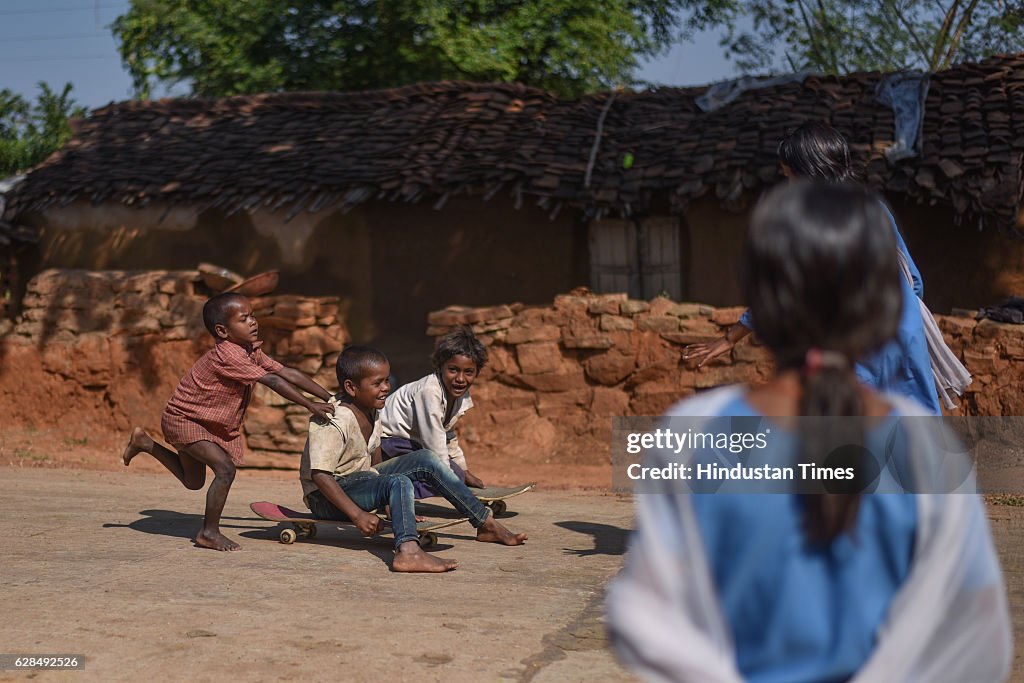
column 60, row 41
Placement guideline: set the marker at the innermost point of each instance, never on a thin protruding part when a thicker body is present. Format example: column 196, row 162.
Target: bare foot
column 137, row 443
column 215, row 540
column 473, row 481
column 493, row 531
column 411, row 558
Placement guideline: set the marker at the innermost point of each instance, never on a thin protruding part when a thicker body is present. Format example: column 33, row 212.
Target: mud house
column 404, row 201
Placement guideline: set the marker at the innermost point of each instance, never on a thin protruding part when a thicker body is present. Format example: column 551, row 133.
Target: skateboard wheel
column 428, row 539
column 288, row 536
column 498, row 507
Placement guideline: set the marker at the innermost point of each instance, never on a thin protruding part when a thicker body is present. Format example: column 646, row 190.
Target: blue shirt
column 799, row 612
column 903, row 366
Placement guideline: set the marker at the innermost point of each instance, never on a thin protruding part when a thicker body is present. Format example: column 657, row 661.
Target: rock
column 661, row 306
column 727, row 316
column 609, row 402
column 649, row 322
column 310, row 341
column 609, row 368
column 632, row 307
column 686, row 310
column 582, row 336
column 538, row 357
column 572, row 304
column 612, row 323
column 263, row 419
column 512, row 415
column 517, row 334
column 563, row 380
column 603, row 306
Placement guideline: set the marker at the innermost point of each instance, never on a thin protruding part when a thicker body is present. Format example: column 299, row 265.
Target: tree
column 31, row 132
column 225, row 47
column 842, row 36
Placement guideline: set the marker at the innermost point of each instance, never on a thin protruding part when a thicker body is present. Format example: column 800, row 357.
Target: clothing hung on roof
column 1009, row 310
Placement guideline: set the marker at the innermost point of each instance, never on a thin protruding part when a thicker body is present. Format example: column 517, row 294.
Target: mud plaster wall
column 962, row 267
column 97, row 352
column 558, row 374
column 389, row 264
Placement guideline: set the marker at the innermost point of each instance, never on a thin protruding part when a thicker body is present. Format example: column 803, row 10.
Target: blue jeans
column 392, row 484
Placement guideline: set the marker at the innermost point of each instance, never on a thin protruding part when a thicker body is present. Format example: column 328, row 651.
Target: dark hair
column 217, row 309
column 821, row 278
column 459, row 342
column 355, row 362
column 817, row 151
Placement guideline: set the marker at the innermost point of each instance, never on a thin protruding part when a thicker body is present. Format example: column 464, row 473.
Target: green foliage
column 226, row 47
column 843, row 36
column 31, row 132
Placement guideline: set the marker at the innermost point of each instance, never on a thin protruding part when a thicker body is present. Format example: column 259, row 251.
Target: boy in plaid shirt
column 204, row 416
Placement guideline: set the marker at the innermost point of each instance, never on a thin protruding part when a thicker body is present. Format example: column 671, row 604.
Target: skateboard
column 494, row 496
column 305, row 523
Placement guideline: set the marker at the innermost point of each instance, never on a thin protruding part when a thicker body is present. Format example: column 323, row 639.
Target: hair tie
column 817, row 360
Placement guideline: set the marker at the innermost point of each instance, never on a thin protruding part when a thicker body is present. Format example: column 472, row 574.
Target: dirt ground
column 105, row 569
column 99, row 563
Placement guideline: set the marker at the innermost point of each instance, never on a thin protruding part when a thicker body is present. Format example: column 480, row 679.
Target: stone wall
column 105, row 350
column 558, row 374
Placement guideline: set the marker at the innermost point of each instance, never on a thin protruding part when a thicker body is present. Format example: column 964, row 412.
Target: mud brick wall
column 108, row 347
column 994, row 354
column 558, row 374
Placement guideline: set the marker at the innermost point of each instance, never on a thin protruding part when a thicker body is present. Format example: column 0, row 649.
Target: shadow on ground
column 608, row 539
column 176, row 524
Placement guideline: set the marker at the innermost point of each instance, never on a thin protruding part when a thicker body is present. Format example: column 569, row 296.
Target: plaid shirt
column 211, row 398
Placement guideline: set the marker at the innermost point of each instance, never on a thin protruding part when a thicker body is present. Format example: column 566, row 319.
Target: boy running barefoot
column 204, row 416
column 343, row 478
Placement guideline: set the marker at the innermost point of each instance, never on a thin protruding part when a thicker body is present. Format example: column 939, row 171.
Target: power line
column 43, row 10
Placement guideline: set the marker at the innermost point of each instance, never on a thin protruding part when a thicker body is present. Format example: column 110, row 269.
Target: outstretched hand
column 322, row 411
column 705, row 352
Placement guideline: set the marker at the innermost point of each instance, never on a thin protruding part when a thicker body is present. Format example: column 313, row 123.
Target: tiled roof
column 307, row 151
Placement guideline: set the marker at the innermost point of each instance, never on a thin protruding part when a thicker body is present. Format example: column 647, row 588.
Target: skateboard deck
column 305, row 523
column 494, row 496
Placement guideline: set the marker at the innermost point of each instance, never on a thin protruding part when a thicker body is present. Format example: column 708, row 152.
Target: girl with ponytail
column 841, row 585
column 903, row 365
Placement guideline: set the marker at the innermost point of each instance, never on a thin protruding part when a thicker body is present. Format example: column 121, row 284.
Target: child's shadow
column 176, row 524
column 608, row 539
column 341, row 537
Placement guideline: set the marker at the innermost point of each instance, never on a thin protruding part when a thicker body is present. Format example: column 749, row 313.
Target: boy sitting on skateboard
column 203, row 417
column 422, row 414
column 343, row 478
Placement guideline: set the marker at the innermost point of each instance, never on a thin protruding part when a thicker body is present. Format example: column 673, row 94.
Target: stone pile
column 558, row 374
column 110, row 346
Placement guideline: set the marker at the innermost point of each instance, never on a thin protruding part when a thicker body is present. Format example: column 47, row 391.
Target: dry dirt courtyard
column 99, row 563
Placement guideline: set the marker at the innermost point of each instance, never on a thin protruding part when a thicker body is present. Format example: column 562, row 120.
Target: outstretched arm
column 303, row 382
column 367, row 522
column 705, row 352
column 282, row 386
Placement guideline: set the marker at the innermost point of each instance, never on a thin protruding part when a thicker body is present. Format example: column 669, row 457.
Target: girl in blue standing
column 903, row 366
column 834, row 586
